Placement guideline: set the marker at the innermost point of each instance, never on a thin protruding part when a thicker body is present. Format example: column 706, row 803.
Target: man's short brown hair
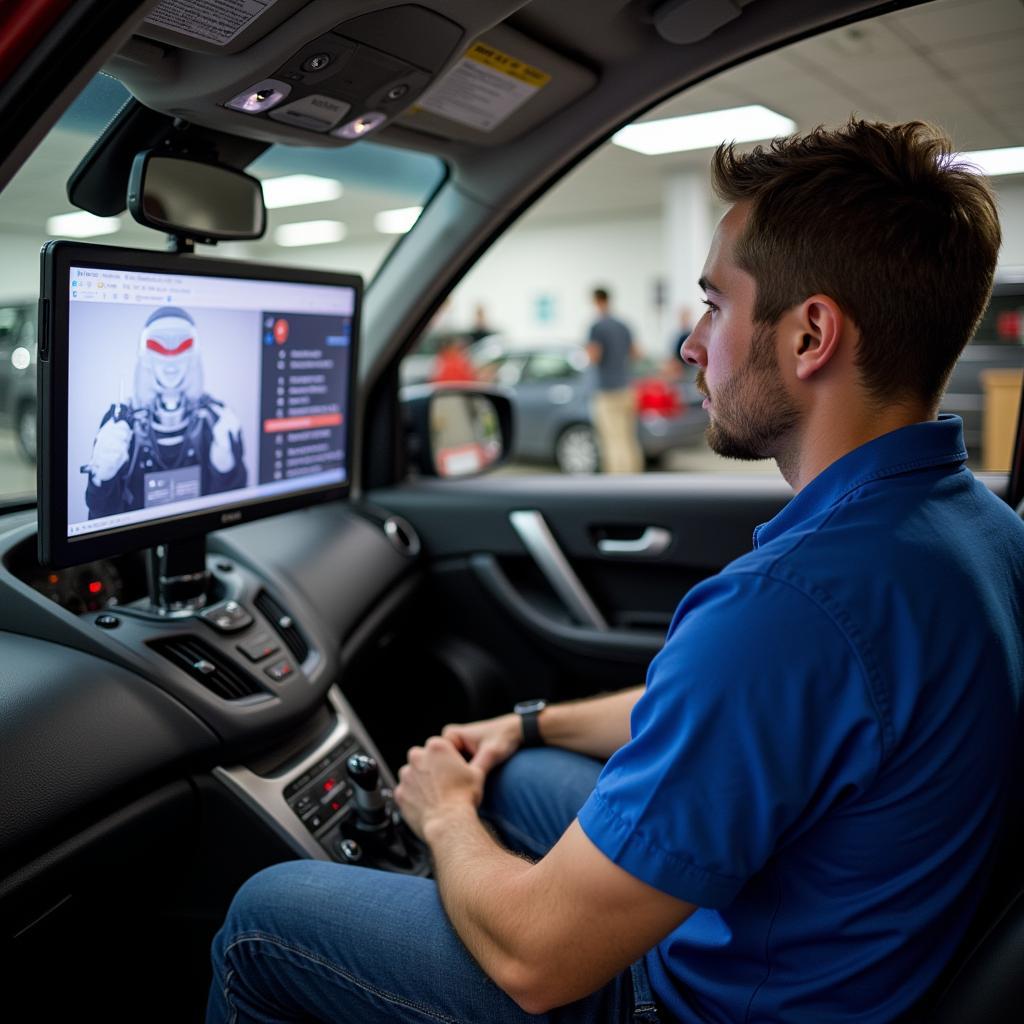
column 884, row 220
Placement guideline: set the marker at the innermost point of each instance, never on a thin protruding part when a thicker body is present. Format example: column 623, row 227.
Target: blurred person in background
column 611, row 348
column 452, row 363
column 481, row 327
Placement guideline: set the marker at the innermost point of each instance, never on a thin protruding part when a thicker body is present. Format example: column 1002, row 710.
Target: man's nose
column 692, row 349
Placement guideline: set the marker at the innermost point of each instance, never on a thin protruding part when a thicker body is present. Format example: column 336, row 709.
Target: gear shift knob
column 371, row 809
column 364, row 771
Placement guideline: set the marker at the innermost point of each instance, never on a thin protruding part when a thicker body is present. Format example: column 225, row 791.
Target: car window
column 507, row 370
column 548, row 366
column 341, row 209
column 637, row 216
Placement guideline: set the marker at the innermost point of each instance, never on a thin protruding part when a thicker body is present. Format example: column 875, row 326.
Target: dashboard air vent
column 208, row 666
column 284, row 624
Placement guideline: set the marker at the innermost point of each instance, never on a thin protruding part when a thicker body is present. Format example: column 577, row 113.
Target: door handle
column 538, row 539
column 653, row 541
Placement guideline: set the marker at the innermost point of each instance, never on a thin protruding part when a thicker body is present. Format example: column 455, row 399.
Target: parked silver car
column 552, row 385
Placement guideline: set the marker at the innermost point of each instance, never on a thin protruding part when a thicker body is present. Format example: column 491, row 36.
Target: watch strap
column 529, row 720
column 531, row 728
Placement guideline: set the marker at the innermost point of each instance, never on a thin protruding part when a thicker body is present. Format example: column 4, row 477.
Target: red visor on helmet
column 154, row 346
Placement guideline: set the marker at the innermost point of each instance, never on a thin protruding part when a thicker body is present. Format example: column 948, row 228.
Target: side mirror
column 457, row 431
column 207, row 202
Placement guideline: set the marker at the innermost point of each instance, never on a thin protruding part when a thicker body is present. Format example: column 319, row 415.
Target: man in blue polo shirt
column 794, row 818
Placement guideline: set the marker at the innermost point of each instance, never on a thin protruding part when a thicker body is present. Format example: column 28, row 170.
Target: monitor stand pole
column 178, row 578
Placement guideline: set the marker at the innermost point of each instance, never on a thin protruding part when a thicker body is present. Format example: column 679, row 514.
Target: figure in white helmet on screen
column 172, row 441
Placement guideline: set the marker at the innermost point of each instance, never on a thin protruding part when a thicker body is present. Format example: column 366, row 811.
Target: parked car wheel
column 576, row 450
column 26, row 431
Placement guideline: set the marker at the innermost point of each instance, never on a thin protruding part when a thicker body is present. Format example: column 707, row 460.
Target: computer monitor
column 179, row 394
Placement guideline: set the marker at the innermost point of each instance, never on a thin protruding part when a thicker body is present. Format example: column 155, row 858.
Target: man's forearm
column 597, row 726
column 478, row 881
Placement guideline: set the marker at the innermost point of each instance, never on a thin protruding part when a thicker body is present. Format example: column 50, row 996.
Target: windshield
column 331, row 209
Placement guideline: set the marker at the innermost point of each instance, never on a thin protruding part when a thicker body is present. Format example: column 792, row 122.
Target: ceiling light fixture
column 994, row 162
column 703, row 131
column 310, row 232
column 396, row 222
column 81, row 225
column 299, row 190
column 261, row 97
column 360, row 126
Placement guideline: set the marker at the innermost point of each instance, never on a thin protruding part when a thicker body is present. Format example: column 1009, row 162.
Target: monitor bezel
column 55, row 548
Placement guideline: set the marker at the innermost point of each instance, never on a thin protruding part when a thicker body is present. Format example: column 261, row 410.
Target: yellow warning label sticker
column 492, row 58
column 484, row 88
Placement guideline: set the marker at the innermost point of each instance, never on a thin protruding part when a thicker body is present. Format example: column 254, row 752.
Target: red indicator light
column 335, row 806
column 329, row 785
column 54, row 579
column 95, row 587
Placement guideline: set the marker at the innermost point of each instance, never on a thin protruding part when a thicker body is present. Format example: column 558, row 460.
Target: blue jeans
column 316, row 941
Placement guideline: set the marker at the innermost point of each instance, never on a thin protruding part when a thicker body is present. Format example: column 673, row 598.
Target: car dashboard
column 123, row 730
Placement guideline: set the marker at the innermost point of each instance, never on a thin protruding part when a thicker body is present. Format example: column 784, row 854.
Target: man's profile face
column 747, row 402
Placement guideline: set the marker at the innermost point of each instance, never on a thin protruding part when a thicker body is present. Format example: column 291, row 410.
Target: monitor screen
column 191, row 389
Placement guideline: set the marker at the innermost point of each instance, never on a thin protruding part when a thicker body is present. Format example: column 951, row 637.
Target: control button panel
column 259, row 647
column 229, row 617
column 316, row 112
column 323, row 794
column 280, row 670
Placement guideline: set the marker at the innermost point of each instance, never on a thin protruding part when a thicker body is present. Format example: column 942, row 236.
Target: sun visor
column 502, row 86
column 212, row 26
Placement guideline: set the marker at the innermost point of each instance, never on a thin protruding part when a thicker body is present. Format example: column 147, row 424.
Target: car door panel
column 499, row 594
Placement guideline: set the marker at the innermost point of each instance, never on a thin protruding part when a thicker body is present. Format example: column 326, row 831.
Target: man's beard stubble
column 752, row 414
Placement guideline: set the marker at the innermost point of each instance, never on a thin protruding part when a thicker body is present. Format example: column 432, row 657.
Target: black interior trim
column 620, row 644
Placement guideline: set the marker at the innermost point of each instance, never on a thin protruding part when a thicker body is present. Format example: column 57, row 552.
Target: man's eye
column 710, row 305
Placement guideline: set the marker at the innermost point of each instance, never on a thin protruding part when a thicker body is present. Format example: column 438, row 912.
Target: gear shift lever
column 371, row 809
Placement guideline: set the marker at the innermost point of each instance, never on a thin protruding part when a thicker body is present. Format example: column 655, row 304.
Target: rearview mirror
column 457, row 432
column 207, row 202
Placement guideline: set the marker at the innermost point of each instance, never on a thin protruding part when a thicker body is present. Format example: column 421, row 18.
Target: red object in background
column 1008, row 325
column 452, row 365
column 95, row 587
column 656, row 395
column 281, row 331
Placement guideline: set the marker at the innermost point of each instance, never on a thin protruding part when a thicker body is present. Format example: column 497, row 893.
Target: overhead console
column 352, row 79
column 342, row 78
column 442, row 67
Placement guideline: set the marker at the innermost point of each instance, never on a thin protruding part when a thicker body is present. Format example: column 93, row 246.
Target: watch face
column 525, row 707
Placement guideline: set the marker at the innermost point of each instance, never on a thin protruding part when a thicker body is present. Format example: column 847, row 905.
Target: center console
column 335, row 800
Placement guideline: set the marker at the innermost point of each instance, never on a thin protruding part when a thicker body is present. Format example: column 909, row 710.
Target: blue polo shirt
column 821, row 757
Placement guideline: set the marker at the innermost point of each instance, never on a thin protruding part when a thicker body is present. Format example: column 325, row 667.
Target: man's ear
column 816, row 333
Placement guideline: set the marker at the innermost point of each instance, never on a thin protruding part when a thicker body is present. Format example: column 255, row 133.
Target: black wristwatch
column 528, row 712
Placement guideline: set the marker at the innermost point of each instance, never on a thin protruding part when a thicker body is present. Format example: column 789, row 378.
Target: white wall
column 1011, row 215
column 537, row 280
